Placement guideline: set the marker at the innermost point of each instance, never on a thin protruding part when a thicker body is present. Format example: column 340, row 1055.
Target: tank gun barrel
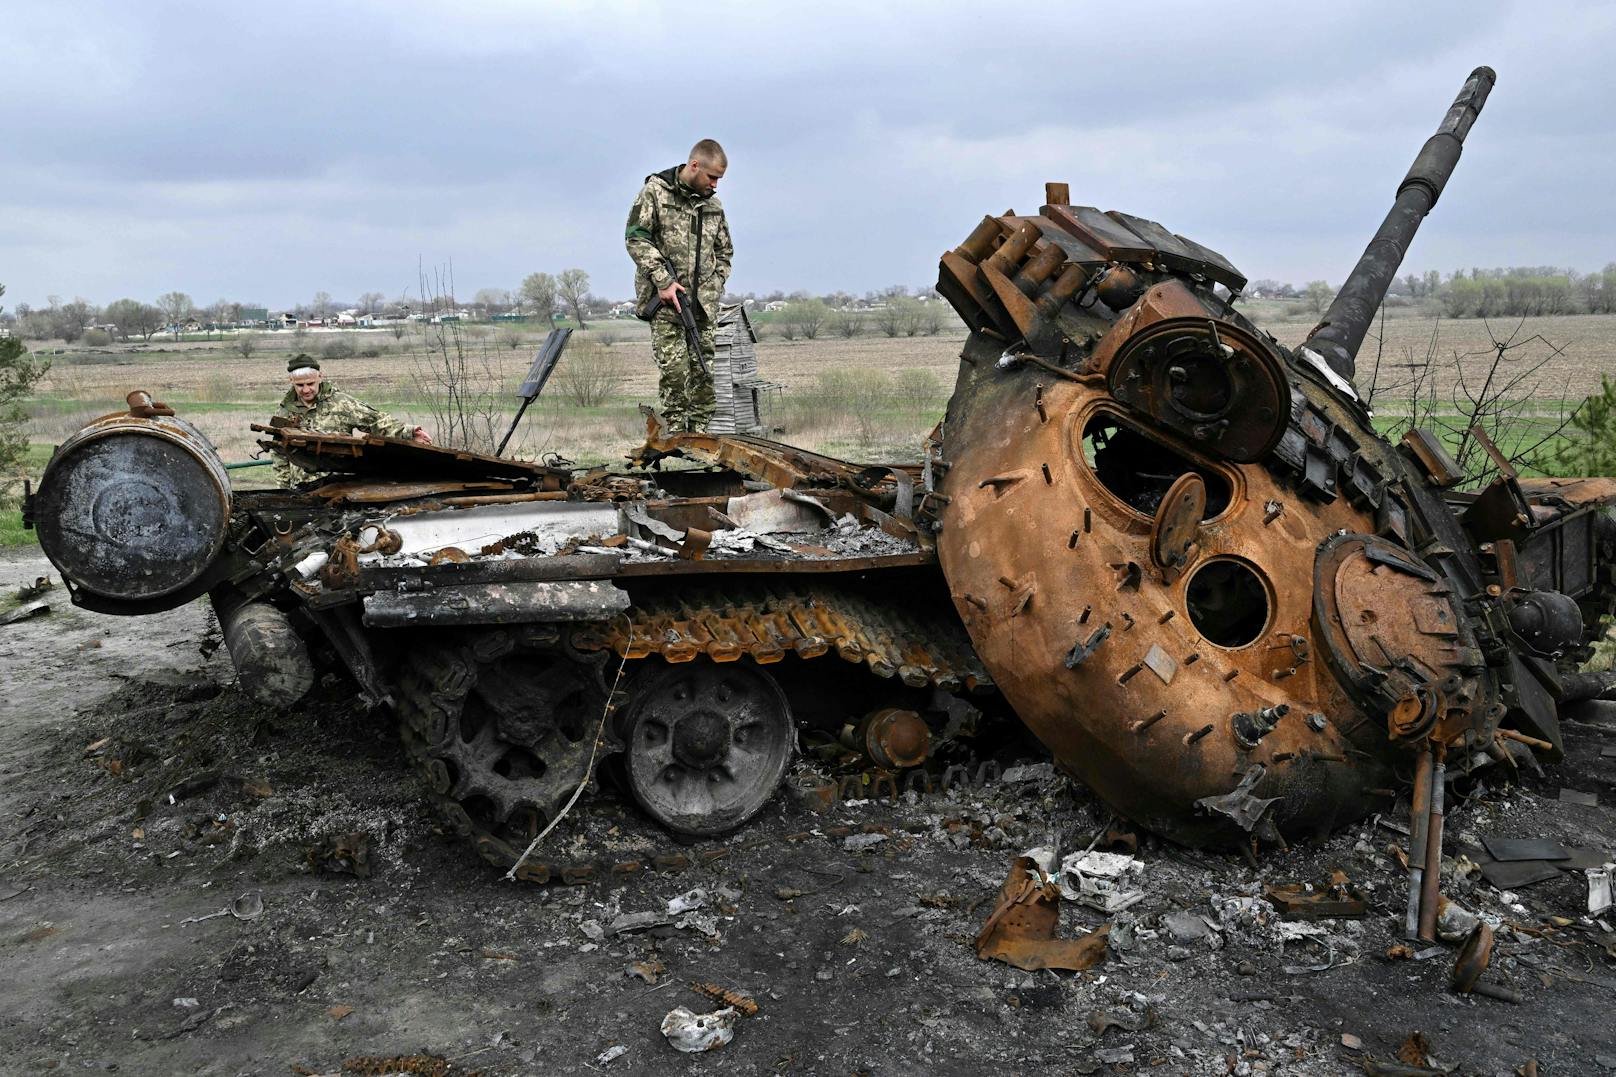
column 1339, row 335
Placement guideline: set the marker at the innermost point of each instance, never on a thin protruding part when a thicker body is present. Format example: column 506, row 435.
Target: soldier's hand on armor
column 421, row 436
column 670, row 294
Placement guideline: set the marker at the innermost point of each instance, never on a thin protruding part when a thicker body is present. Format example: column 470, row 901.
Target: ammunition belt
column 768, row 621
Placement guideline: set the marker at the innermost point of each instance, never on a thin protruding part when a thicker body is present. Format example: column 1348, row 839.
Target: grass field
column 862, row 397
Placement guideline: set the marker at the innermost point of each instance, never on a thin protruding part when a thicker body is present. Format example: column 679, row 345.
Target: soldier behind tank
column 677, row 218
column 316, row 405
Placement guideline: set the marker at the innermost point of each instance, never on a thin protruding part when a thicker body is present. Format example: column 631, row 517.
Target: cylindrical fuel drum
column 133, row 508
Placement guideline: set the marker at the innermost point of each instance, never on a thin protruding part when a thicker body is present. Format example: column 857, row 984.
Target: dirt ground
column 139, row 790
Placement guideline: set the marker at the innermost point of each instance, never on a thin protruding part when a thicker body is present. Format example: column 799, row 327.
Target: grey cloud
column 298, row 147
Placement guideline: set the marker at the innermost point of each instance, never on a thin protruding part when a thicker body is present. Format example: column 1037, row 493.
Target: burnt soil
column 139, row 788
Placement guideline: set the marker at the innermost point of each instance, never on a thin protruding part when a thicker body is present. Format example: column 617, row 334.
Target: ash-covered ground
column 139, row 790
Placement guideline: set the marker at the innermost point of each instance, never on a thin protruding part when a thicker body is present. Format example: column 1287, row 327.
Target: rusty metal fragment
column 1021, row 929
column 1304, row 901
column 1472, row 961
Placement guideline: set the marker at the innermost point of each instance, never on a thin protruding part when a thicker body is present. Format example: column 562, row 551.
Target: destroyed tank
column 1176, row 549
column 533, row 626
column 1196, row 571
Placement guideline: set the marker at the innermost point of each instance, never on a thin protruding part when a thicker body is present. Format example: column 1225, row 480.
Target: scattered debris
column 1415, row 1050
column 1473, row 959
column 1095, row 879
column 195, row 1021
column 1599, row 888
column 746, row 1005
column 249, row 906
column 414, row 1065
column 342, row 854
column 1021, row 929
column 611, row 1054
column 1573, row 796
column 337, row 1013
column 1303, row 901
column 23, row 612
column 1454, row 922
column 693, row 1033
column 30, row 591
column 649, row 970
column 1127, row 1021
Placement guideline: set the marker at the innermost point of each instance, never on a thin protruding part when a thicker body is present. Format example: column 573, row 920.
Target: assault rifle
column 687, row 318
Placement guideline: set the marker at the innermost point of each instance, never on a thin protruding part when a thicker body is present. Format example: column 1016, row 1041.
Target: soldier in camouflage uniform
column 677, row 218
column 315, row 404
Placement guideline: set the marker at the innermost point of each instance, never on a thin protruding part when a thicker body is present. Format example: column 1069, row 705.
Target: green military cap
column 301, row 361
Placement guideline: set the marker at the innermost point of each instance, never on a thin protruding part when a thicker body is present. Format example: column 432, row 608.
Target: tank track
column 764, row 622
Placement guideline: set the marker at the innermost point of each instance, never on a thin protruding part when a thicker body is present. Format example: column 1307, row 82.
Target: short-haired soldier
column 317, row 405
column 680, row 243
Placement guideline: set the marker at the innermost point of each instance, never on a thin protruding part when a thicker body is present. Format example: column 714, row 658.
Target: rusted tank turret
column 1188, row 560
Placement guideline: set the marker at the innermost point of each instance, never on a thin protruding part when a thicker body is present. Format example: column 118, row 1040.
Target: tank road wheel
column 503, row 732
column 707, row 745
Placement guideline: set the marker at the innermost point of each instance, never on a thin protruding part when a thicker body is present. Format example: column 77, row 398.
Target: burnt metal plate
column 1105, row 234
column 1162, row 664
column 392, row 457
column 1583, row 859
column 1514, row 874
column 1524, row 849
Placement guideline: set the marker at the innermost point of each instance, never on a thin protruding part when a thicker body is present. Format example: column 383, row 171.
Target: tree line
column 1505, row 291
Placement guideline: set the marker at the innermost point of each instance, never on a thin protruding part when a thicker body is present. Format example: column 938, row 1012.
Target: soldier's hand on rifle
column 670, row 294
column 421, row 435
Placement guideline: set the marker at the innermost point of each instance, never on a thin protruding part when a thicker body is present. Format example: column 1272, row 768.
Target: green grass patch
column 12, row 533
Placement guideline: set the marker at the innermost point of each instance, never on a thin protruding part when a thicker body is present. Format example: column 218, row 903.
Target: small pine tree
column 1590, row 444
column 19, row 370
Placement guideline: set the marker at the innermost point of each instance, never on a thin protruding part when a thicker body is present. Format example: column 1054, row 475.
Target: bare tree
column 538, row 293
column 898, row 316
column 245, row 343
column 1318, row 295
column 845, row 323
column 460, row 378
column 591, row 373
column 492, row 299
column 321, row 304
column 573, row 287
column 177, row 308
column 371, row 302
column 224, row 313
column 1502, row 400
column 806, row 316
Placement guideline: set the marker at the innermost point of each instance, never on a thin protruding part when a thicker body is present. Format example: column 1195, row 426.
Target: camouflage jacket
column 333, row 412
column 664, row 221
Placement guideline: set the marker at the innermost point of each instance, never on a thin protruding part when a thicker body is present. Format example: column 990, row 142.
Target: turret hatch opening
column 1139, row 470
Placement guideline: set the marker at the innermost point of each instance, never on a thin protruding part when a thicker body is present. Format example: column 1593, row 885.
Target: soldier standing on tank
column 679, row 240
column 316, row 405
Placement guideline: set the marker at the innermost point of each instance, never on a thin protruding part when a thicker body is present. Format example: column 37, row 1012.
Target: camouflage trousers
column 686, row 394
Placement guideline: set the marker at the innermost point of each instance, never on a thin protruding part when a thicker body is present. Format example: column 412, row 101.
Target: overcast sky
column 267, row 152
